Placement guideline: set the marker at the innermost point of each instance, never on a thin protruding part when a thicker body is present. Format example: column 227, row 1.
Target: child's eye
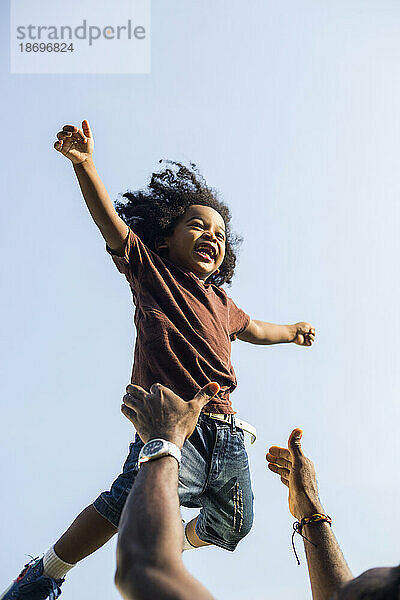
column 221, row 236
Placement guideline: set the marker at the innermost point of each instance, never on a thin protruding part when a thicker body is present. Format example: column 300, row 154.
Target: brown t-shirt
column 184, row 327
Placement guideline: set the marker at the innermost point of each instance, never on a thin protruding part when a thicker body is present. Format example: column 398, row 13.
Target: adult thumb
column 294, row 443
column 206, row 393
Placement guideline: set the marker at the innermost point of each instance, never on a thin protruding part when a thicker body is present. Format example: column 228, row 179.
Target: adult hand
column 298, row 474
column 163, row 414
column 76, row 144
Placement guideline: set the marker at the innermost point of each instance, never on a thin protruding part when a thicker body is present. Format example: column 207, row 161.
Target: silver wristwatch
column 156, row 449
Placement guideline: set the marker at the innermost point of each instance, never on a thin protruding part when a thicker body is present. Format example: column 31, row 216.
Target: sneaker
column 32, row 584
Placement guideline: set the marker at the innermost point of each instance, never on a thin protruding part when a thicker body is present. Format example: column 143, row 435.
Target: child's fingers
column 309, row 339
column 79, row 134
column 62, row 135
column 86, row 128
column 69, row 136
column 71, row 128
column 67, row 145
column 58, row 146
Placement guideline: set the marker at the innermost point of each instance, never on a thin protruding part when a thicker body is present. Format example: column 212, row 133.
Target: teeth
column 206, row 250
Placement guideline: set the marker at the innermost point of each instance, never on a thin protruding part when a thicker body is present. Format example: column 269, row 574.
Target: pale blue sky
column 292, row 111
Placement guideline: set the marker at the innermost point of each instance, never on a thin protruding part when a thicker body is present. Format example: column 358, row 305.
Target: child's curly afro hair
column 153, row 213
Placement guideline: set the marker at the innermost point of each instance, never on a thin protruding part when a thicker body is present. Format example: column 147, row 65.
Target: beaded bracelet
column 298, row 528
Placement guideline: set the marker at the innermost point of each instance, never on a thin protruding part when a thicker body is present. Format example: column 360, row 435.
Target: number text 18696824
column 49, row 47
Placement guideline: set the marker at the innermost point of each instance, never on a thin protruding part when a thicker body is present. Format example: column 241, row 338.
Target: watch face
column 153, row 447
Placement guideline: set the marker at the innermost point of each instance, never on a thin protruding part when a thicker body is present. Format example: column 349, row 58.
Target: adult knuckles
column 134, row 389
column 157, row 387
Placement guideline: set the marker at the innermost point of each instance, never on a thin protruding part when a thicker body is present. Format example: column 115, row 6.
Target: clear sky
column 291, row 110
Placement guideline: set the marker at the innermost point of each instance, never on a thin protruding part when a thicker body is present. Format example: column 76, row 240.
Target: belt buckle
column 219, row 417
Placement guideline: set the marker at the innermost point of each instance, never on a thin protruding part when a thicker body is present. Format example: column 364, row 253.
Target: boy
column 175, row 247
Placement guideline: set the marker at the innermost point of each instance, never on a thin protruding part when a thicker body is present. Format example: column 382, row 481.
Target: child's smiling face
column 198, row 241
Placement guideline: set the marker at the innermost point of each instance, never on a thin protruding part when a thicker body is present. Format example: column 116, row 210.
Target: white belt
column 238, row 423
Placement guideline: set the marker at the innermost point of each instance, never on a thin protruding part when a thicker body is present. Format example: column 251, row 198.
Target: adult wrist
column 167, row 459
column 170, row 436
column 308, row 508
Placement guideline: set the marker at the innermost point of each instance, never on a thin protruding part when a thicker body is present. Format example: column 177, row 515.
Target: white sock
column 186, row 544
column 53, row 565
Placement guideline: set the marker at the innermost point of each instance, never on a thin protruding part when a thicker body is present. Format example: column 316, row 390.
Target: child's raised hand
column 304, row 334
column 76, row 144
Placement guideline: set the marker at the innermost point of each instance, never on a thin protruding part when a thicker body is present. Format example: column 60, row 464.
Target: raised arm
column 149, row 549
column 77, row 145
column 260, row 332
column 326, row 564
column 149, row 563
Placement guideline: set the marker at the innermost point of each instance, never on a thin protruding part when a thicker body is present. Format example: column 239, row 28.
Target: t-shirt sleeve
column 238, row 320
column 132, row 259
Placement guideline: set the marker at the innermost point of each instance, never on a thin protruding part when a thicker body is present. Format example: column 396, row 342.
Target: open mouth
column 206, row 252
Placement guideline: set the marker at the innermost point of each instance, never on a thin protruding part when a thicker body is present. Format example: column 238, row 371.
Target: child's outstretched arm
column 77, row 145
column 259, row 332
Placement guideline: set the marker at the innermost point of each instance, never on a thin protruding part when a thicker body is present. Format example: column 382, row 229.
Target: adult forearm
column 150, row 533
column 150, row 523
column 327, row 566
column 147, row 582
column 149, row 561
column 100, row 206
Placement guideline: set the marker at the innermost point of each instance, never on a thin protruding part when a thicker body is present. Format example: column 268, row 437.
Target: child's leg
column 193, row 475
column 214, row 476
column 98, row 522
column 42, row 578
column 89, row 532
column 93, row 527
column 192, row 536
column 226, row 516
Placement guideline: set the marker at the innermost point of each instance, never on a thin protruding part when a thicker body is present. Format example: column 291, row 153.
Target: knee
column 243, row 522
column 243, row 517
column 247, row 523
column 230, row 536
column 243, row 511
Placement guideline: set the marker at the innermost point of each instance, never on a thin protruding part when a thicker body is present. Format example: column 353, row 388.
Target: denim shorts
column 214, row 476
